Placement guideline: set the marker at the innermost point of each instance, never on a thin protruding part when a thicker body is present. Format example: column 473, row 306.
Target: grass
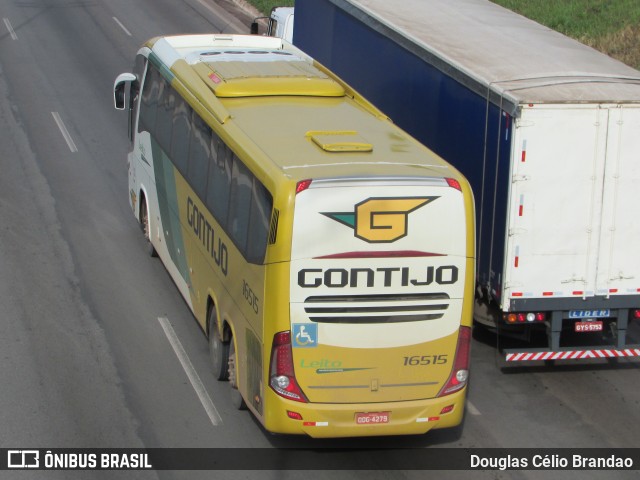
column 611, row 26
column 265, row 6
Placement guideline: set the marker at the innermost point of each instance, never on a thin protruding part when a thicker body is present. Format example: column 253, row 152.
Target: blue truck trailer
column 546, row 129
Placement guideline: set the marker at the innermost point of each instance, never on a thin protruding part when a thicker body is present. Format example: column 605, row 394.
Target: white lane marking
column 122, row 26
column 207, row 6
column 10, row 28
column 65, row 132
column 471, row 408
column 216, row 13
column 196, row 383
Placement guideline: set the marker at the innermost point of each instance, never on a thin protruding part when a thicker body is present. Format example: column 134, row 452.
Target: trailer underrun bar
column 524, row 356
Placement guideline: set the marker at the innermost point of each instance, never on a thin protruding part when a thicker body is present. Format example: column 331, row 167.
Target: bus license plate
column 371, row 418
column 588, row 326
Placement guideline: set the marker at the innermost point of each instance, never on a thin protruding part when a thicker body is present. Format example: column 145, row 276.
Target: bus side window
column 134, row 92
column 149, row 103
column 181, row 133
column 219, row 182
column 164, row 121
column 240, row 204
column 199, row 153
column 259, row 223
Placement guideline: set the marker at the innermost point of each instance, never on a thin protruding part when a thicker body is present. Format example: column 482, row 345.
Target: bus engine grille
column 414, row 307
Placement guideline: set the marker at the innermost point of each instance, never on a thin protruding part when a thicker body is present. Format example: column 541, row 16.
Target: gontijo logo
column 380, row 220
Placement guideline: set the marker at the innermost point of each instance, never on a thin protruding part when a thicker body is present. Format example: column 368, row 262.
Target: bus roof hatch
column 248, row 73
column 340, row 141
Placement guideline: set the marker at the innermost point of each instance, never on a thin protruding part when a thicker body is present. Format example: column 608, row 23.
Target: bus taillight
column 281, row 375
column 460, row 373
column 453, row 183
column 302, row 185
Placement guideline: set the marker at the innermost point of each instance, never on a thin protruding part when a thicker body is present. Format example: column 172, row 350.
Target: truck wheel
column 144, row 224
column 218, row 349
column 236, row 397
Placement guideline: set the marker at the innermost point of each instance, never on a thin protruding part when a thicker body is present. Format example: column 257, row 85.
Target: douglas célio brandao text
column 549, row 461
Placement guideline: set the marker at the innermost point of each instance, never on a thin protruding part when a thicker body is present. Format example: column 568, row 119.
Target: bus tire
column 146, row 228
column 218, row 349
column 236, row 397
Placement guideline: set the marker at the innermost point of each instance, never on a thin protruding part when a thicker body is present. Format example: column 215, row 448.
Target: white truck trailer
column 546, row 129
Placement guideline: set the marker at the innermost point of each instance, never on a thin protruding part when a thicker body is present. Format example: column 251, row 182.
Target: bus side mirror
column 119, row 89
column 254, row 28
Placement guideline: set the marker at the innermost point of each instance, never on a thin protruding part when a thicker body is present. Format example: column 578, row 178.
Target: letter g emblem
column 384, row 220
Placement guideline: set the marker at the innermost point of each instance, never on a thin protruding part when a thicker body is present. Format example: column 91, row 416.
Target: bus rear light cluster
column 529, row 317
column 282, row 378
column 460, row 373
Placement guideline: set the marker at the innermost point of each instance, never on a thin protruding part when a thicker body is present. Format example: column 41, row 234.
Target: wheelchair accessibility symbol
column 305, row 335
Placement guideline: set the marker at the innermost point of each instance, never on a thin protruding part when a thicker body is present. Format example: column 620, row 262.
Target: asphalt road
column 86, row 317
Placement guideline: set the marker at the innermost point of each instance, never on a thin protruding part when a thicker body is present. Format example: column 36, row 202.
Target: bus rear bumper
column 369, row 419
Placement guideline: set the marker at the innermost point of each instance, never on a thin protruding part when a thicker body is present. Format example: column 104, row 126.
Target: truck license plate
column 370, row 418
column 588, row 326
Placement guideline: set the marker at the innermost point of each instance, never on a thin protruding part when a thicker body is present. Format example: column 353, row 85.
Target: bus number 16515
column 417, row 360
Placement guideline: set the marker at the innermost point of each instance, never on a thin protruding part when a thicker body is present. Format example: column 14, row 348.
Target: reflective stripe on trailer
column 572, row 355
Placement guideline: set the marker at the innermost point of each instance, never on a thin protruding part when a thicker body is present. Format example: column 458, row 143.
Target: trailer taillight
column 636, row 314
column 282, row 378
column 524, row 317
column 460, row 373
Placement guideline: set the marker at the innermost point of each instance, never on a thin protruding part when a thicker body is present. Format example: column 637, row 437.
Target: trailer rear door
column 619, row 259
column 555, row 231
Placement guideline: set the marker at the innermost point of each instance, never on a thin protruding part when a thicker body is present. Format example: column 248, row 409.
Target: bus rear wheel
column 218, row 349
column 236, row 396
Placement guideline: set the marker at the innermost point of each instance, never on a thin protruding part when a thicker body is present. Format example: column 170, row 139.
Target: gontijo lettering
column 369, row 277
column 207, row 235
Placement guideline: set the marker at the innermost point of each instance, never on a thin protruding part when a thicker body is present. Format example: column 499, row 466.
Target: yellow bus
column 326, row 254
